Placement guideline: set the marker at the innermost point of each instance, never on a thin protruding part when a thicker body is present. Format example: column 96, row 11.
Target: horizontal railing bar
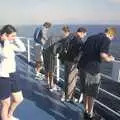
column 103, row 90
column 116, row 113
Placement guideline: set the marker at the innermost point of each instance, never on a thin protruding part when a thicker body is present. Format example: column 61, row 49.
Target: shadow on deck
column 39, row 102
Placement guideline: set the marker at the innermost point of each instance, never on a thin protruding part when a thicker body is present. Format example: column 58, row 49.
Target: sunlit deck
column 41, row 104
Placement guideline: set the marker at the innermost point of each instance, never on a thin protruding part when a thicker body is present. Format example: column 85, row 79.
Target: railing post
column 58, row 69
column 28, row 50
column 116, row 71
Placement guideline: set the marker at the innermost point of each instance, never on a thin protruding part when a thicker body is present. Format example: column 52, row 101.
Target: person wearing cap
column 75, row 47
column 96, row 50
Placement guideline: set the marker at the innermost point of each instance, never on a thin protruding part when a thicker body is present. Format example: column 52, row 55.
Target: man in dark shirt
column 74, row 49
column 96, row 50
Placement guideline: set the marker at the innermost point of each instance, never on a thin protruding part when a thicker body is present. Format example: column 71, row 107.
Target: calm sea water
column 27, row 31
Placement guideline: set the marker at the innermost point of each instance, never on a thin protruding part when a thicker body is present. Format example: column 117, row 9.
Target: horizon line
column 66, row 23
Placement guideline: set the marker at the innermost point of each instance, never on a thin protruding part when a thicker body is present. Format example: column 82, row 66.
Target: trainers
column 75, row 100
column 66, row 100
column 53, row 89
column 63, row 99
column 69, row 100
column 39, row 76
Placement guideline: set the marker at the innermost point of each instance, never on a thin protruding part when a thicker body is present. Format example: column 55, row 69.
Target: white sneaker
column 75, row 100
column 53, row 89
column 14, row 118
column 39, row 76
column 63, row 98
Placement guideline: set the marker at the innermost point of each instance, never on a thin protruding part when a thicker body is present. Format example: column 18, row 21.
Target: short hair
column 65, row 28
column 8, row 29
column 81, row 29
column 47, row 24
column 111, row 31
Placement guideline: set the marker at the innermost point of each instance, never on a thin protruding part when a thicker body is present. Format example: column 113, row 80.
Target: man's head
column 47, row 24
column 111, row 32
column 65, row 30
column 81, row 32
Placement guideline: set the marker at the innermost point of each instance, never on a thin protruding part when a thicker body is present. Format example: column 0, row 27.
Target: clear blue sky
column 60, row 11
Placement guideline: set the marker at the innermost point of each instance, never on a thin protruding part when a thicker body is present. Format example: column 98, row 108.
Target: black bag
column 69, row 51
column 65, row 50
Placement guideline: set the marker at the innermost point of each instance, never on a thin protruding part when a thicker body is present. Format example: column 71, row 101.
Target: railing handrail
column 116, row 113
column 116, row 61
column 103, row 90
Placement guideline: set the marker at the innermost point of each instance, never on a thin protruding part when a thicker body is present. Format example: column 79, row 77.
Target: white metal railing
column 116, row 113
column 106, row 76
column 58, row 69
column 116, row 97
column 116, row 71
column 115, row 74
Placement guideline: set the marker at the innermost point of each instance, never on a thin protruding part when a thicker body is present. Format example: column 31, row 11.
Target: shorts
column 38, row 53
column 89, row 83
column 49, row 61
column 9, row 85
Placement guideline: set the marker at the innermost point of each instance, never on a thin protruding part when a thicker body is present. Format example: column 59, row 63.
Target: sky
column 19, row 12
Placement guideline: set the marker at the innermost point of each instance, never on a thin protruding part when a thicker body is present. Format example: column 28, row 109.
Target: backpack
column 67, row 51
column 64, row 50
column 38, row 35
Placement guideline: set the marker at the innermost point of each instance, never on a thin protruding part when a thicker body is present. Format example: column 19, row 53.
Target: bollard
column 116, row 71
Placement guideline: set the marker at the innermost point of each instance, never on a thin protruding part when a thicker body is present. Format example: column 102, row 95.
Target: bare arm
column 106, row 57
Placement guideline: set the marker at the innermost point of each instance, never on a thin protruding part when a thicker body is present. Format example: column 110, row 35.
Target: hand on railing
column 112, row 58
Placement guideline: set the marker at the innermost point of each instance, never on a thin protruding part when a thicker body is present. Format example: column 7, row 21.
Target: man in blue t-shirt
column 41, row 42
column 96, row 50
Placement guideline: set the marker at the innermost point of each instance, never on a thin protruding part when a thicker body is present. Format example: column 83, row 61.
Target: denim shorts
column 9, row 85
column 89, row 83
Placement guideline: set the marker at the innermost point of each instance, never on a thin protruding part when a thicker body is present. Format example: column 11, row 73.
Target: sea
column 106, row 68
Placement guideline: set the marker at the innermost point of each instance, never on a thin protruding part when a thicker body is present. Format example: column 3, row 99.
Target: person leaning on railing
column 73, row 48
column 50, row 54
column 96, row 50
